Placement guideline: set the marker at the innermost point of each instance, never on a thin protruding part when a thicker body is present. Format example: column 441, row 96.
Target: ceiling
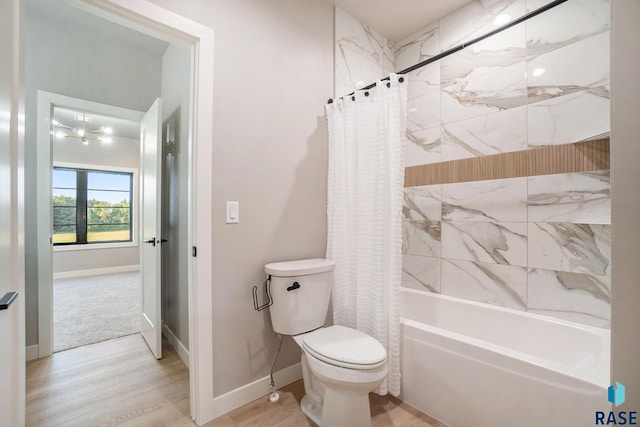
column 65, row 14
column 122, row 128
column 396, row 19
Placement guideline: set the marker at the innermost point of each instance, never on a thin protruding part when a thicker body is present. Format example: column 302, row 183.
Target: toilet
column 340, row 365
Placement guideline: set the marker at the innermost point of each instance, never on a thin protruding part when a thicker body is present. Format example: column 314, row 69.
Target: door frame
column 12, row 199
column 148, row 18
column 47, row 101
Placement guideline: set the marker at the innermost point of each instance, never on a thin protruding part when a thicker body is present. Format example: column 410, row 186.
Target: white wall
column 625, row 153
column 273, row 74
column 122, row 153
column 176, row 82
column 75, row 61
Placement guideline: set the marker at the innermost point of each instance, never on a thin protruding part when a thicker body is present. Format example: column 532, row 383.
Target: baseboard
column 96, row 271
column 182, row 351
column 255, row 390
column 32, row 352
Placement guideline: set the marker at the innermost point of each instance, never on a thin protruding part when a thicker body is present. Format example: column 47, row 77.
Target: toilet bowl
column 340, row 365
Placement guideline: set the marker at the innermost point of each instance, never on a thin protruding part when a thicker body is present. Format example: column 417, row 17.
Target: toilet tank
column 300, row 291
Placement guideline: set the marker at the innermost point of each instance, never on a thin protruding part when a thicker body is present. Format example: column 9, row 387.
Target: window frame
column 61, row 247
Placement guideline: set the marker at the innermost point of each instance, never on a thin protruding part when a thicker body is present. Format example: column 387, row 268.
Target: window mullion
column 81, row 209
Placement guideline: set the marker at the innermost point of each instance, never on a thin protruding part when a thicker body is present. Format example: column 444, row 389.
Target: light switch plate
column 233, row 212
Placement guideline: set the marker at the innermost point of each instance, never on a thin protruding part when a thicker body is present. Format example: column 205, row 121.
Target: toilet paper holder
column 269, row 302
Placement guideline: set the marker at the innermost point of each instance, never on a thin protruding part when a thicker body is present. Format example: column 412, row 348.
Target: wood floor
column 386, row 411
column 111, row 383
column 119, row 383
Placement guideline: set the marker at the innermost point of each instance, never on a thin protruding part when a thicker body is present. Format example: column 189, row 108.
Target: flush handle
column 293, row 287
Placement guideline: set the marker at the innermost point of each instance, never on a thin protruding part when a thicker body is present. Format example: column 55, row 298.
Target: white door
column 150, row 257
column 12, row 350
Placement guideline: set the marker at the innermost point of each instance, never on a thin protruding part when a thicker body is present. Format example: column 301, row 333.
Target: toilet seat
column 344, row 347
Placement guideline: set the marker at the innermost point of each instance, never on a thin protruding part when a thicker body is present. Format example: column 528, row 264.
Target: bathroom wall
column 625, row 152
column 539, row 243
column 273, row 73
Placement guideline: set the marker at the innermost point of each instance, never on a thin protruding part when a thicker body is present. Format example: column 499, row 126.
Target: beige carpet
column 92, row 309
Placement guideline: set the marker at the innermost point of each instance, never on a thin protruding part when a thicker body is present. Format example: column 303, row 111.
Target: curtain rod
column 461, row 46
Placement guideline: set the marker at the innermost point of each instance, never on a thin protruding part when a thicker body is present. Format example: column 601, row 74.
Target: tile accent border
column 566, row 158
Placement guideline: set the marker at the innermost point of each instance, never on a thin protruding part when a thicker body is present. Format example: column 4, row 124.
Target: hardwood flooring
column 119, row 383
column 386, row 411
column 111, row 383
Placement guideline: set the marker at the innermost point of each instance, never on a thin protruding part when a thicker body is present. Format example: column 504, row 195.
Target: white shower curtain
column 365, row 185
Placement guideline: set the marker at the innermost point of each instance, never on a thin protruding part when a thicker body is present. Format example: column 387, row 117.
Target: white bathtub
column 473, row 365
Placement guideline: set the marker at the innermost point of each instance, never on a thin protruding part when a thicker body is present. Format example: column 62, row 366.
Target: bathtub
column 473, row 365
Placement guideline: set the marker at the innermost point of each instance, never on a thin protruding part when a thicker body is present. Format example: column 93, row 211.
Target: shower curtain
column 364, row 214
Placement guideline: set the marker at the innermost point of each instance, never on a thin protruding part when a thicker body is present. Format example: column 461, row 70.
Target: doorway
column 95, row 259
column 197, row 39
column 74, row 259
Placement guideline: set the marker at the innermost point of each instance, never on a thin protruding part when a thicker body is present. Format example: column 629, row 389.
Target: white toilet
column 340, row 365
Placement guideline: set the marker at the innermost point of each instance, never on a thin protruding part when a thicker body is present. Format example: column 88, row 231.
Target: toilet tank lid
column 300, row 267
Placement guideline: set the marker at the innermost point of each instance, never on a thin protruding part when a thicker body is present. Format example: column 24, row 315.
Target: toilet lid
column 346, row 347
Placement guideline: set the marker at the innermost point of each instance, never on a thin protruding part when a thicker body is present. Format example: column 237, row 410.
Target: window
column 91, row 206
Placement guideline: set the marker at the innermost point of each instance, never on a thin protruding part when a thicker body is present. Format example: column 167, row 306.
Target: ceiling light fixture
column 84, row 134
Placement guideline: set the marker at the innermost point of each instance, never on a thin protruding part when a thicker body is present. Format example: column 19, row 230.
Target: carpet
column 92, row 309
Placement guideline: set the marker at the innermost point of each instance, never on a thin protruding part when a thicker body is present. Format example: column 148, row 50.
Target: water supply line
column 274, row 396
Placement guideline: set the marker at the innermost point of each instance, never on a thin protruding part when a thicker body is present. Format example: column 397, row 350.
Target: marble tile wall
column 362, row 55
column 539, row 243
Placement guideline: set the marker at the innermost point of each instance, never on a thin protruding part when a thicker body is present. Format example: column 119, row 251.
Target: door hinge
column 194, row 251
